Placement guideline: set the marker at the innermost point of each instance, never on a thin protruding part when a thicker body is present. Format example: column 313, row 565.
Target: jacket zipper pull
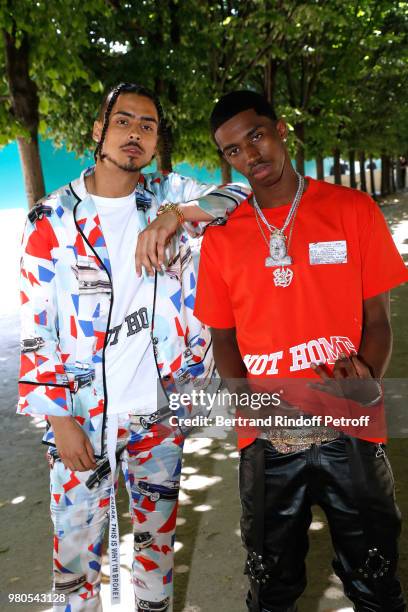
column 380, row 451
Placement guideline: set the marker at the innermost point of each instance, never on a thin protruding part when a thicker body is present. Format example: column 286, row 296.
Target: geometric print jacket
column 67, row 298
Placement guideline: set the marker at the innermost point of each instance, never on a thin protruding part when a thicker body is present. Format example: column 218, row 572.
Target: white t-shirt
column 131, row 373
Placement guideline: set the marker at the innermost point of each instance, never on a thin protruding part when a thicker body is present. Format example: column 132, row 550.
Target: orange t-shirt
column 343, row 254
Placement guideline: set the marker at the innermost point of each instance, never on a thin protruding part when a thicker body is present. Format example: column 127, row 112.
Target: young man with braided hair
column 96, row 339
column 295, row 287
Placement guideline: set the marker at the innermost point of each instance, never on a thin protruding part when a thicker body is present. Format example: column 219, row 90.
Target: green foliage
column 337, row 66
column 58, row 34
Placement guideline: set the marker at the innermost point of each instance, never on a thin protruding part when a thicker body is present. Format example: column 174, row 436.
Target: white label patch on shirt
column 333, row 252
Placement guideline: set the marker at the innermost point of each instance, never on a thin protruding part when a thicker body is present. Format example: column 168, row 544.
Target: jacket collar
column 87, row 219
column 86, row 214
column 143, row 194
column 78, row 187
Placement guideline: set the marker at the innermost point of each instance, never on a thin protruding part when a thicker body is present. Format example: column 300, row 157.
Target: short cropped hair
column 236, row 102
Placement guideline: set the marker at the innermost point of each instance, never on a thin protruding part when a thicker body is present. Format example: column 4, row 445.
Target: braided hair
column 109, row 103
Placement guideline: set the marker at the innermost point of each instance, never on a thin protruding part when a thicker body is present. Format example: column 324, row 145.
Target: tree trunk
column 32, row 171
column 165, row 142
column 362, row 160
column 320, row 167
column 24, row 107
column 398, row 172
column 385, row 175
column 401, row 173
column 167, row 139
column 372, row 179
column 300, row 150
column 270, row 80
column 164, row 150
column 336, row 165
column 392, row 176
column 226, row 175
column 352, row 161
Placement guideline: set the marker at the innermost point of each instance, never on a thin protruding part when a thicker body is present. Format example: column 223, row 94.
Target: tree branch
column 241, row 73
column 291, row 85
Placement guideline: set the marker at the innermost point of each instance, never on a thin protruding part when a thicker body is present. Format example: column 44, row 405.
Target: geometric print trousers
column 151, row 464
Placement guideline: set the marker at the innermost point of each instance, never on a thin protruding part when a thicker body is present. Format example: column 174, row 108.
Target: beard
column 130, row 166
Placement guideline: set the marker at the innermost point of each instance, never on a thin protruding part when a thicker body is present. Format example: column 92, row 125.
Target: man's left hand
column 351, row 379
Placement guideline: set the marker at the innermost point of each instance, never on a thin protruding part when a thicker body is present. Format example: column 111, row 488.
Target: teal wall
column 60, row 166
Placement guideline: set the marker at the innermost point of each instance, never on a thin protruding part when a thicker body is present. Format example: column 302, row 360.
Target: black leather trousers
column 322, row 475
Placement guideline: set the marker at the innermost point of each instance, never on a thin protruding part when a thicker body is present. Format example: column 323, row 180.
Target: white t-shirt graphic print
column 131, row 374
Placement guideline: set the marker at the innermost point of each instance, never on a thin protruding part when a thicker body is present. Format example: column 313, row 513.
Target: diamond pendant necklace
column 278, row 247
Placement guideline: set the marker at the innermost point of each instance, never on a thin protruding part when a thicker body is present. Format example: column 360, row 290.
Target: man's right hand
column 151, row 243
column 73, row 445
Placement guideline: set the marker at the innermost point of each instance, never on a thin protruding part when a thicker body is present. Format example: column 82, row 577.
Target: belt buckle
column 301, row 441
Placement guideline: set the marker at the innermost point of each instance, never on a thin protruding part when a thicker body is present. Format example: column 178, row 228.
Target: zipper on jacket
column 153, row 337
column 39, row 384
column 380, row 451
column 203, row 359
column 105, row 343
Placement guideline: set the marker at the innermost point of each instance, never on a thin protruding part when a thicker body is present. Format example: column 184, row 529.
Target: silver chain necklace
column 278, row 247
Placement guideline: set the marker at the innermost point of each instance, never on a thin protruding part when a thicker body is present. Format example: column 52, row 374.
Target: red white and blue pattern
column 66, row 295
column 151, row 465
column 66, row 299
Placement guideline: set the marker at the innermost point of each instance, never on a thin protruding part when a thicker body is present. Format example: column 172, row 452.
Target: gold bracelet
column 172, row 207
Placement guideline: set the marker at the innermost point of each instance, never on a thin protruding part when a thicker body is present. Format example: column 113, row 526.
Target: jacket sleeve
column 219, row 202
column 43, row 385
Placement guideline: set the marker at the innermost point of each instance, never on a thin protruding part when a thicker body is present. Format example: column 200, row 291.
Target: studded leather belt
column 289, row 440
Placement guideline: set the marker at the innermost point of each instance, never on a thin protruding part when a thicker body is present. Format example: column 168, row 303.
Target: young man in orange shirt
column 296, row 285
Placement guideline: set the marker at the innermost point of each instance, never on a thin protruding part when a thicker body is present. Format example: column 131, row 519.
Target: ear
column 97, row 131
column 221, row 154
column 282, row 129
column 156, row 150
